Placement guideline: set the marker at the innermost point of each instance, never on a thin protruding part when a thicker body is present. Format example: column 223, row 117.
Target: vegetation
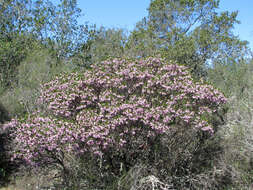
column 190, row 32
column 168, row 106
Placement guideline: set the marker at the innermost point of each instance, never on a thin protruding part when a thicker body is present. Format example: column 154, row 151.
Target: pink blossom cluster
column 113, row 102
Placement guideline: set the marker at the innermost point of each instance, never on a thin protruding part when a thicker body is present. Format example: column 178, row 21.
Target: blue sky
column 114, row 13
column 245, row 16
column 125, row 14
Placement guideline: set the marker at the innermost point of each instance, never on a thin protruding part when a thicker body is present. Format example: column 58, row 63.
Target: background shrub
column 38, row 68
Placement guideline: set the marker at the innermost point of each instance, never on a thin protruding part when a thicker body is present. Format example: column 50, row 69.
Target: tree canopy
column 190, row 32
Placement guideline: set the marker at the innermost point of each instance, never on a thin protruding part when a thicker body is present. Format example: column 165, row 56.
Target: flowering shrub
column 116, row 106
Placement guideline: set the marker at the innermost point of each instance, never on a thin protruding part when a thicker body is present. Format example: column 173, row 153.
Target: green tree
column 66, row 33
column 26, row 24
column 102, row 43
column 14, row 23
column 191, row 32
column 233, row 77
column 12, row 52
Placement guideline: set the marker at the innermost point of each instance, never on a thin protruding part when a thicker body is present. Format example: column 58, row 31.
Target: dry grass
column 10, row 188
column 27, row 182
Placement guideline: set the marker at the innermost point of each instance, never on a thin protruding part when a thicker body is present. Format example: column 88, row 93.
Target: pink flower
column 105, row 107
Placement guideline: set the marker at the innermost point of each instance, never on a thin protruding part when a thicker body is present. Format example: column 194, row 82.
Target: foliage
column 232, row 76
column 235, row 79
column 5, row 165
column 27, row 24
column 125, row 124
column 142, row 42
column 237, row 140
column 4, row 115
column 101, row 44
column 38, row 67
column 65, row 34
column 45, row 21
column 14, row 42
column 12, row 52
column 120, row 112
column 190, row 32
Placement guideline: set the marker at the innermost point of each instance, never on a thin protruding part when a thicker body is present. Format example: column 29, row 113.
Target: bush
column 116, row 115
column 237, row 139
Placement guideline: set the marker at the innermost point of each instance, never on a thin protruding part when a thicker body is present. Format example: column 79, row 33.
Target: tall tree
column 25, row 23
column 102, row 44
column 66, row 32
column 192, row 32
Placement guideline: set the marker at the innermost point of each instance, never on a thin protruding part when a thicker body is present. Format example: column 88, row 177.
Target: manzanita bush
column 116, row 104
